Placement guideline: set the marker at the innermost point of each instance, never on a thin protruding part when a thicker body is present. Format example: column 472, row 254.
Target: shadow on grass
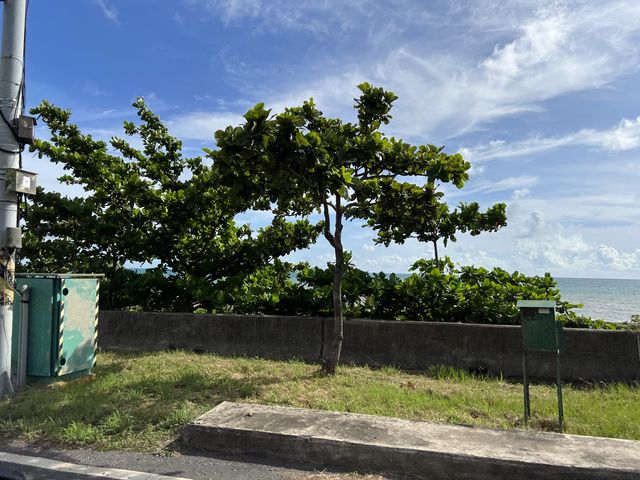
column 125, row 405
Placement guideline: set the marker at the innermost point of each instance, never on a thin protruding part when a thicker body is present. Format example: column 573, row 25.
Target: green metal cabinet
column 63, row 319
column 540, row 330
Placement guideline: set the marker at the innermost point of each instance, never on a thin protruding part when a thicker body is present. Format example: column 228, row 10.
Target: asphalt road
column 190, row 464
column 178, row 465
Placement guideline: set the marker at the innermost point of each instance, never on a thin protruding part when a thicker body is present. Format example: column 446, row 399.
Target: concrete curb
column 366, row 443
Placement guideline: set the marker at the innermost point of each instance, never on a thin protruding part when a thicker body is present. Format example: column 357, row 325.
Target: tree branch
column 348, row 206
column 338, row 234
column 372, row 177
column 327, row 225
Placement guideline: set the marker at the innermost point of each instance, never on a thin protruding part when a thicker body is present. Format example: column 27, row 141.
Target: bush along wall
column 433, row 291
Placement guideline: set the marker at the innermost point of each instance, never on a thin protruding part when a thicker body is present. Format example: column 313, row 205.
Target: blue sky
column 541, row 96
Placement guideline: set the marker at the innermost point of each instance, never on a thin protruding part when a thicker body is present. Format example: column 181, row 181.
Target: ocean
column 610, row 299
column 614, row 300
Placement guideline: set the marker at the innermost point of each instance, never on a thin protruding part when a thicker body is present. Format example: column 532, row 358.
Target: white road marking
column 115, row 473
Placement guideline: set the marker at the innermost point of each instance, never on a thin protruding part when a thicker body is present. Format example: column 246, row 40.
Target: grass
column 138, row 401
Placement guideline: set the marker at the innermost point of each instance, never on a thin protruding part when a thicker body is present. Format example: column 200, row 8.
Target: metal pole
column 525, row 381
column 559, row 390
column 21, row 374
column 558, row 330
column 11, row 81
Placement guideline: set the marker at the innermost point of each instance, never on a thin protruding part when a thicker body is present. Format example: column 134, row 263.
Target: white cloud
column 446, row 90
column 540, row 245
column 201, row 125
column 492, row 186
column 540, row 40
column 92, row 115
column 480, row 258
column 604, row 207
column 610, row 257
column 255, row 218
column 566, row 47
column 559, row 251
column 156, row 103
column 203, row 98
column 312, row 16
column 330, row 94
column 624, row 136
column 556, row 51
column 108, row 10
column 389, row 263
column 104, row 134
column 520, row 193
column 531, row 225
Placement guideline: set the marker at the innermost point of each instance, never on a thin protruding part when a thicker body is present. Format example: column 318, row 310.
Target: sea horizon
column 610, row 299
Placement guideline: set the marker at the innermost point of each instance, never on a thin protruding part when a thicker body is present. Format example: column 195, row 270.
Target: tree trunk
column 331, row 354
column 333, row 345
column 435, row 253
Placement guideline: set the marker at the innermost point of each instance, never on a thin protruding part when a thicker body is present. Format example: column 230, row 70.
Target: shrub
column 436, row 292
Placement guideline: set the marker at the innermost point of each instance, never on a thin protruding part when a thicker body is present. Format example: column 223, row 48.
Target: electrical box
column 63, row 320
column 13, row 237
column 540, row 330
column 25, row 129
column 20, row 181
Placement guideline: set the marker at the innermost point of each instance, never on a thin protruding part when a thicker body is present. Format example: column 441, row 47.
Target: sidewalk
column 380, row 444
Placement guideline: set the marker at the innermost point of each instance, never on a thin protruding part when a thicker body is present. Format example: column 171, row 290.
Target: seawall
column 591, row 355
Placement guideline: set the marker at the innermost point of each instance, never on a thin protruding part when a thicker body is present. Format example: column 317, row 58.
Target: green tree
column 401, row 217
column 300, row 161
column 147, row 204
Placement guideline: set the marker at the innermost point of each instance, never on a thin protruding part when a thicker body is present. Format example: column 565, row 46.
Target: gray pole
column 11, row 72
column 21, row 374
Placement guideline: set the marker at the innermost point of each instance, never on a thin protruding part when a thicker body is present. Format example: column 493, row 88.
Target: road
column 188, row 464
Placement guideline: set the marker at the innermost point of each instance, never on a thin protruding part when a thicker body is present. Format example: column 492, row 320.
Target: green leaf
column 346, row 175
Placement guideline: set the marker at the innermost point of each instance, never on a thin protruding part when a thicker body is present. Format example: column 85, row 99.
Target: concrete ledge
column 366, row 443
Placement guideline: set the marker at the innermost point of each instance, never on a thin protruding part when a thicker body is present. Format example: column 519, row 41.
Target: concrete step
column 366, row 443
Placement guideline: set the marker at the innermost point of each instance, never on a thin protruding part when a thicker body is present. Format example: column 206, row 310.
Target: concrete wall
column 591, row 355
column 262, row 336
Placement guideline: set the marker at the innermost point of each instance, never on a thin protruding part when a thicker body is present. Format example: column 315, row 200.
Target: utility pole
column 11, row 91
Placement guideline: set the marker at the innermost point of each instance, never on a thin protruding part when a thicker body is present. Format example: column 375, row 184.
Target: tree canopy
column 300, row 162
column 148, row 204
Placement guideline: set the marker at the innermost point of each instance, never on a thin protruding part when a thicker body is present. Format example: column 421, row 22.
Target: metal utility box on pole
column 11, row 92
column 541, row 332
